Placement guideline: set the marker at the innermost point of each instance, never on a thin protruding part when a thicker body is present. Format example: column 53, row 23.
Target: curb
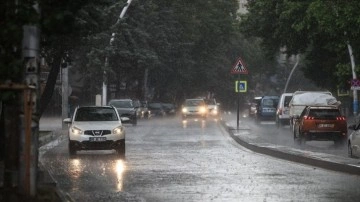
column 294, row 156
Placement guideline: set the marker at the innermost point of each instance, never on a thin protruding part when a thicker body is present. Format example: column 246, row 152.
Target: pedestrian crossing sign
column 240, row 86
column 239, row 67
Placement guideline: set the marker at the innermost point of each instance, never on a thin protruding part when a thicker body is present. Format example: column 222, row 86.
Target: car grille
column 97, row 132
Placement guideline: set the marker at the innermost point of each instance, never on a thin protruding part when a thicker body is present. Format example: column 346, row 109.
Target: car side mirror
column 125, row 119
column 67, row 120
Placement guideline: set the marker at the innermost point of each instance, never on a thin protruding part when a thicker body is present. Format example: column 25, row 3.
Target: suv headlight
column 118, row 130
column 184, row 110
column 76, row 130
column 202, row 110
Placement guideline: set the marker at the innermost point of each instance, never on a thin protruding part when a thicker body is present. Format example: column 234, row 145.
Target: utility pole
column 355, row 95
column 29, row 118
column 104, row 86
column 65, row 93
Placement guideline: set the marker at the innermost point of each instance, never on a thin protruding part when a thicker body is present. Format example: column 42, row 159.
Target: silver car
column 96, row 128
column 354, row 141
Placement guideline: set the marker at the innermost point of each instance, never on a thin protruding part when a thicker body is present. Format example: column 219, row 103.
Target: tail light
column 280, row 111
column 341, row 118
column 309, row 117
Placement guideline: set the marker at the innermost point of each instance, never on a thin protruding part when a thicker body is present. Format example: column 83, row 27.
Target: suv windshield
column 95, row 114
column 193, row 102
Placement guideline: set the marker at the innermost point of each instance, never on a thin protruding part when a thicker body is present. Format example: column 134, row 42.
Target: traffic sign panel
column 241, row 86
column 239, row 67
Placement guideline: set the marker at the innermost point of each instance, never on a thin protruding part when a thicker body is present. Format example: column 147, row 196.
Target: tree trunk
column 50, row 83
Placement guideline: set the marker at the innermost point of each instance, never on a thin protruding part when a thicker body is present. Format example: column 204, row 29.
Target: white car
column 96, row 128
column 354, row 141
column 282, row 111
column 196, row 108
column 213, row 107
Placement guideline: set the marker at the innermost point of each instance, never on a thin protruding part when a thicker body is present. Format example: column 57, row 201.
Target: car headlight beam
column 118, row 130
column 76, row 131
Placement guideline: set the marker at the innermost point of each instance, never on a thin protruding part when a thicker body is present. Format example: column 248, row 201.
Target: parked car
column 301, row 99
column 170, row 109
column 194, row 108
column 282, row 111
column 137, row 106
column 353, row 142
column 145, row 112
column 267, row 108
column 325, row 123
column 156, row 109
column 213, row 107
column 253, row 106
column 96, row 128
column 126, row 108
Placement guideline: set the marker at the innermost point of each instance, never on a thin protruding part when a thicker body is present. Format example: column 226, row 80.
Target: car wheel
column 72, row 149
column 350, row 152
column 134, row 122
column 278, row 123
column 121, row 149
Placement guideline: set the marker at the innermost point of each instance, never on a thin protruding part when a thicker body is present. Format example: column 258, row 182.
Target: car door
column 356, row 141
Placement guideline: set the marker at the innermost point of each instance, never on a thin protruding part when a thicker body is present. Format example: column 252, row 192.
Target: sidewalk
column 50, row 131
column 252, row 141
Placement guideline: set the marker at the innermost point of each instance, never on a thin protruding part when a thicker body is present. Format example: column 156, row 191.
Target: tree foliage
column 318, row 29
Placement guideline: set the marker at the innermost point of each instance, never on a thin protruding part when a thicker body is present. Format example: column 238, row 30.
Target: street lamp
column 104, row 86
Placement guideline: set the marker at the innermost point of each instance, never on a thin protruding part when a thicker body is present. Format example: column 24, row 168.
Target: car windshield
column 95, row 114
column 155, row 105
column 193, row 102
column 121, row 103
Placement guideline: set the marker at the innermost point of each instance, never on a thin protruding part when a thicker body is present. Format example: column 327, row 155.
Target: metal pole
column 104, row 86
column 65, row 95
column 238, row 105
column 356, row 102
column 291, row 73
column 30, row 124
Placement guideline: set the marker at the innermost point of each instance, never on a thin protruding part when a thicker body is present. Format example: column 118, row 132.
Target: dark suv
column 320, row 123
column 125, row 108
column 266, row 109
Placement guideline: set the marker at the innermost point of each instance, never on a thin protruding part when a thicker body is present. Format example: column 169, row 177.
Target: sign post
column 240, row 86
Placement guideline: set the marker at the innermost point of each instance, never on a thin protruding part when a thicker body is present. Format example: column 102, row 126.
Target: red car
column 321, row 123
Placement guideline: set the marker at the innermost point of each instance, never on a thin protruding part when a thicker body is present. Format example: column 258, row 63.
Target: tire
column 121, row 149
column 299, row 139
column 72, row 149
column 350, row 152
column 278, row 123
column 134, row 121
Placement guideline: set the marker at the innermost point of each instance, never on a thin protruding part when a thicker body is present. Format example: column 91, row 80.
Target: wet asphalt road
column 167, row 160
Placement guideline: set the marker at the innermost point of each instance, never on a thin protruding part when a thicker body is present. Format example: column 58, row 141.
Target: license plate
column 326, row 125
column 97, row 139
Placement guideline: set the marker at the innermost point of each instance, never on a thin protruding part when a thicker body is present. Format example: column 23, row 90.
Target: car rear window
column 287, row 101
column 324, row 113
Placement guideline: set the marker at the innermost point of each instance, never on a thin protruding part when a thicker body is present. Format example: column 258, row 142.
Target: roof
column 314, row 98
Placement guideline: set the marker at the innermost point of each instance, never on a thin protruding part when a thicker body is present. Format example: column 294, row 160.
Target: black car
column 125, row 108
column 156, row 109
column 169, row 108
